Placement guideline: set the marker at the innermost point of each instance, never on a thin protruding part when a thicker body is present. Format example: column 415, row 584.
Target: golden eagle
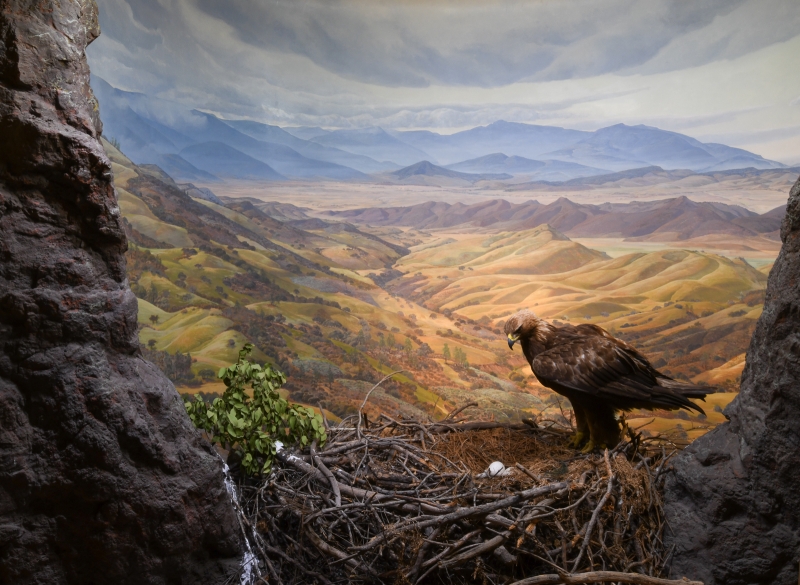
column 598, row 373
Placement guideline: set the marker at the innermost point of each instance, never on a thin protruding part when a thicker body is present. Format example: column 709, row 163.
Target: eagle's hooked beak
column 512, row 339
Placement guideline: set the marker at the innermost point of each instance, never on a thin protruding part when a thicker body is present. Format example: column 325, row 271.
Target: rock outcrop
column 733, row 499
column 103, row 479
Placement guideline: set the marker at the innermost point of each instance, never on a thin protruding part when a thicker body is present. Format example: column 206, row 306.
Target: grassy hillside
column 338, row 307
column 211, row 278
column 689, row 311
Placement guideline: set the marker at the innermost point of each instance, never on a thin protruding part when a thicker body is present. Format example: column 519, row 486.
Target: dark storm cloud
column 124, row 22
column 471, row 43
column 486, row 44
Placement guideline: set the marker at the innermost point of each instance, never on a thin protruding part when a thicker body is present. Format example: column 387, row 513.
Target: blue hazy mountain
column 622, row 147
column 427, row 169
column 277, row 135
column 177, row 166
column 148, row 129
column 539, row 170
column 306, row 132
column 375, row 143
column 615, row 148
column 511, row 138
column 204, row 127
column 225, row 161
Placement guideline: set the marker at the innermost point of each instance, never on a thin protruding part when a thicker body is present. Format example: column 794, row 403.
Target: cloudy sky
column 718, row 70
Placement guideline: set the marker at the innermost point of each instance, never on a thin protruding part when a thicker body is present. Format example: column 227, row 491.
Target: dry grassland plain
column 753, row 193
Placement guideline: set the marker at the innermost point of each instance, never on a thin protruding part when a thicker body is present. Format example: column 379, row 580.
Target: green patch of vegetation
column 251, row 425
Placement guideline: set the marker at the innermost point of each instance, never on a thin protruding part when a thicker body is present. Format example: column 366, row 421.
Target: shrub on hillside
column 249, row 424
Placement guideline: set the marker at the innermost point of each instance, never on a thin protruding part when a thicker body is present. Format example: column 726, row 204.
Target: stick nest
column 407, row 502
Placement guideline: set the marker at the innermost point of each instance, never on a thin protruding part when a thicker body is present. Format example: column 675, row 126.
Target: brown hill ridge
column 674, row 219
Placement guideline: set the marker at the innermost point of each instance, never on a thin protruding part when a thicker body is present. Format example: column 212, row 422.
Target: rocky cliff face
column 733, row 500
column 102, row 477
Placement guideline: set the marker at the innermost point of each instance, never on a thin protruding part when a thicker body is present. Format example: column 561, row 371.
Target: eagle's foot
column 591, row 446
column 578, row 439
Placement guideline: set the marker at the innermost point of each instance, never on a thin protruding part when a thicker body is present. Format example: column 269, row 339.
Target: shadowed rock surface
column 103, row 479
column 733, row 500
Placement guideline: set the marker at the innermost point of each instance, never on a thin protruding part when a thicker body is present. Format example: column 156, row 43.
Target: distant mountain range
column 424, row 169
column 616, row 147
column 669, row 220
column 540, row 170
column 526, row 140
column 654, row 175
column 197, row 146
column 373, row 142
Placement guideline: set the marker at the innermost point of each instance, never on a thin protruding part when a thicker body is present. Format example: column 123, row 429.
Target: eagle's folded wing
column 596, row 366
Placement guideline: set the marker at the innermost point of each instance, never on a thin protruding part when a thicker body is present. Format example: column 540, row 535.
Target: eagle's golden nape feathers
column 598, row 373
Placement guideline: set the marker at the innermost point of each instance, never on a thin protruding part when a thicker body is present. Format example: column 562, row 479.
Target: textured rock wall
column 102, row 477
column 733, row 501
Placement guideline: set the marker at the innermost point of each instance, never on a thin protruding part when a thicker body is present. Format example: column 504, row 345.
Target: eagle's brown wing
column 591, row 329
column 597, row 366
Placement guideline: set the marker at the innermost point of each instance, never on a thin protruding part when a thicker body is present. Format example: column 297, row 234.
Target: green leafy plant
column 250, row 421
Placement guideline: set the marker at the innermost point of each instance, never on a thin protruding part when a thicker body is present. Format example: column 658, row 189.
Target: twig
column 324, row 418
column 337, row 494
column 462, row 513
column 335, row 552
column 601, row 577
column 479, row 550
column 593, row 522
column 363, row 404
column 458, row 411
column 528, row 472
column 279, row 553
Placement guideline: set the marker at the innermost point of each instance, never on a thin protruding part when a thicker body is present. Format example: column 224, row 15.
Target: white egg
column 496, row 468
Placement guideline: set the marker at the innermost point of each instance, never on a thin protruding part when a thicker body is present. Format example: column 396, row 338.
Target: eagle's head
column 526, row 325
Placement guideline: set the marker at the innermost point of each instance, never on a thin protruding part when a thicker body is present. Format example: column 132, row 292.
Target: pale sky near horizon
column 718, row 70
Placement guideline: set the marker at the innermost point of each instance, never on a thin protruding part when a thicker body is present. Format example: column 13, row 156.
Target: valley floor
column 757, row 195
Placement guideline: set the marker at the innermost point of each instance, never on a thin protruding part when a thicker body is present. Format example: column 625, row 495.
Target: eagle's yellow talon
column 578, row 439
column 592, row 446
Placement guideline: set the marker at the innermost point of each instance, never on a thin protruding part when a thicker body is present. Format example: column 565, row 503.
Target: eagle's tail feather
column 687, row 390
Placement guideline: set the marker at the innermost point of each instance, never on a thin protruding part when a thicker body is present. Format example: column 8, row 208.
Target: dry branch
column 602, row 577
